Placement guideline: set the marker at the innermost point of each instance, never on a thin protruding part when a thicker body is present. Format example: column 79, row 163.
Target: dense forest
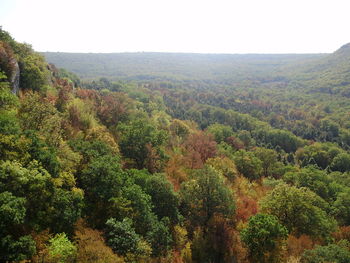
column 185, row 158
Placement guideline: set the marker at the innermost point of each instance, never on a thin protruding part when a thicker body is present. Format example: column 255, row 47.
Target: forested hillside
column 197, row 158
column 176, row 67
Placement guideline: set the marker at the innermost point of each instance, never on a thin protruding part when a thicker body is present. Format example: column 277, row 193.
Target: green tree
column 165, row 200
column 16, row 249
column 248, row 164
column 67, row 206
column 221, row 132
column 90, row 150
column 329, row 129
column 7, row 99
column 283, row 139
column 314, row 179
column 340, row 207
column 123, row 239
column 12, row 210
column 337, row 253
column 206, row 195
column 34, row 74
column 102, row 181
column 40, row 151
column 300, row 210
column 46, row 203
column 264, row 237
column 341, row 163
column 160, row 237
column 140, row 206
column 155, row 231
column 320, row 154
column 179, row 128
column 61, row 249
column 138, row 137
column 246, row 137
column 268, row 158
column 33, row 183
column 9, row 124
column 121, row 236
column 14, row 244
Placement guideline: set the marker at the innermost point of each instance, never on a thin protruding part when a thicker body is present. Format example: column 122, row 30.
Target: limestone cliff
column 14, row 78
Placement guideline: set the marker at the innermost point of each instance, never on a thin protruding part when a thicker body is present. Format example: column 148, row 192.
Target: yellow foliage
column 92, row 248
column 243, row 187
column 247, row 195
column 186, row 253
column 144, row 258
column 161, row 119
column 81, row 114
column 14, row 148
column 175, row 170
column 179, row 128
column 38, row 113
column 180, row 237
column 225, row 166
column 68, row 158
column 101, row 133
column 293, row 260
column 64, row 179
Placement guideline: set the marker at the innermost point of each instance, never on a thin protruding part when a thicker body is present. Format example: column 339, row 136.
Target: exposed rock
column 14, row 79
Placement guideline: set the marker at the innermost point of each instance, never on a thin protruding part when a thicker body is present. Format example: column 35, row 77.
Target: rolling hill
column 175, row 66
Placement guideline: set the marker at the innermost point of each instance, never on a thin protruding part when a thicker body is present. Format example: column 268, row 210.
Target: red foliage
column 296, row 114
column 113, row 108
column 75, row 117
column 297, row 245
column 226, row 241
column 153, row 161
column 7, row 59
column 64, row 95
column 175, row 170
column 63, row 83
column 199, row 147
column 246, row 207
column 342, row 233
column 235, row 142
column 87, row 94
column 261, row 105
column 52, row 99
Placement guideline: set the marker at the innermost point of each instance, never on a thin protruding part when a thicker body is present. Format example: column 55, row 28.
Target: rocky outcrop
column 14, row 78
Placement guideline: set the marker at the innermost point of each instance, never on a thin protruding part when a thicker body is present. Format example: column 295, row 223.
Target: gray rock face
column 14, row 80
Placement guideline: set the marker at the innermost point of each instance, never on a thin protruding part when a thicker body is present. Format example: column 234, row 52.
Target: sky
column 198, row 26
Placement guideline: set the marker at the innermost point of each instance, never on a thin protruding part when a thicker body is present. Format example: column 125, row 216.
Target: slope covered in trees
column 244, row 167
column 316, row 72
column 329, row 74
column 178, row 67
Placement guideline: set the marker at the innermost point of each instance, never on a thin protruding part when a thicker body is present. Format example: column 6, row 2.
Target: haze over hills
column 146, row 66
column 328, row 73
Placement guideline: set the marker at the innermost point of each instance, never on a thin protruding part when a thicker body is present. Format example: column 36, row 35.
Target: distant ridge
column 174, row 66
column 345, row 48
column 330, row 73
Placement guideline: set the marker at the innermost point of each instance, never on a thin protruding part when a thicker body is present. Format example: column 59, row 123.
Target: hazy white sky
column 202, row 26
